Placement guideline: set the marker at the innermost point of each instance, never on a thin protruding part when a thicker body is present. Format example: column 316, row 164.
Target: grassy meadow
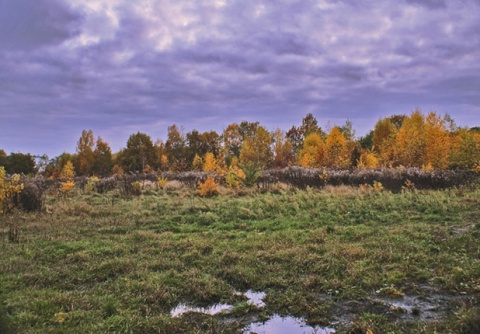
column 107, row 263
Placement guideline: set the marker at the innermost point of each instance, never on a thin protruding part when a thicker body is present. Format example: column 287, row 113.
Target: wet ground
column 428, row 305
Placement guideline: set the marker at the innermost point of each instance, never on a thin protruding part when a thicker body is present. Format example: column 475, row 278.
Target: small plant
column 137, row 188
column 408, row 186
column 324, row 177
column 67, row 187
column 428, row 167
column 162, row 182
column 377, row 187
column 251, row 172
column 92, row 184
column 9, row 189
column 476, row 168
column 235, row 177
column 209, row 188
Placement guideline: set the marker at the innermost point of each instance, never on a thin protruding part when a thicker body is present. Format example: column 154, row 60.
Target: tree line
column 429, row 141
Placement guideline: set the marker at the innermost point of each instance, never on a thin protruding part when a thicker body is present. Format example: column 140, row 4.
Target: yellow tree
column 256, row 148
column 368, row 160
column 197, row 163
column 411, row 143
column 465, row 152
column 313, row 152
column 210, row 163
column 337, row 149
column 384, row 138
column 437, row 142
column 85, row 155
column 283, row 150
column 68, row 171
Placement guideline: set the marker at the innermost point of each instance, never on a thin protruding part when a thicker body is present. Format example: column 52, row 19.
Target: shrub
column 9, row 189
column 162, row 182
column 234, row 177
column 252, row 174
column 209, row 188
column 31, row 197
column 137, row 188
column 67, row 187
column 92, row 183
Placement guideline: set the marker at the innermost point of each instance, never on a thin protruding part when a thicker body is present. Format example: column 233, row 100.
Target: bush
column 209, row 188
column 31, row 198
column 9, row 189
column 137, row 188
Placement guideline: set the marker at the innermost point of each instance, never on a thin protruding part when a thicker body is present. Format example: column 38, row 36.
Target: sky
column 118, row 67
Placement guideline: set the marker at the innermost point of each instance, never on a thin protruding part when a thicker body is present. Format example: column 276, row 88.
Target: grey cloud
column 204, row 66
column 28, row 24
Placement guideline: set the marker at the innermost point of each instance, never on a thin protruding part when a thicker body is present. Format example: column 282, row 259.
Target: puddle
column 286, row 325
column 212, row 310
column 255, row 298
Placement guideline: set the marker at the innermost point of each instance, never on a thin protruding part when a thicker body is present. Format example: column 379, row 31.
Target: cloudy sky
column 121, row 66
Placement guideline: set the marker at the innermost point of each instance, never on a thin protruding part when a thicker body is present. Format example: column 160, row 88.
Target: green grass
column 102, row 263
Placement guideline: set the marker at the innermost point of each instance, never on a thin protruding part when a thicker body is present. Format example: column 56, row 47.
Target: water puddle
column 286, row 325
column 254, row 298
column 212, row 310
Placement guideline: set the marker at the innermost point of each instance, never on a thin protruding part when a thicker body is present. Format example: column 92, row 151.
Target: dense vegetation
column 430, row 142
column 93, row 262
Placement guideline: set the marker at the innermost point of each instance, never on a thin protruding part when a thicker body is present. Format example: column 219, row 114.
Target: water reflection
column 255, row 298
column 212, row 310
column 286, row 325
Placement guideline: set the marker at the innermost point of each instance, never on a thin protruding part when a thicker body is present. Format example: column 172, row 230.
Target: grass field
column 98, row 263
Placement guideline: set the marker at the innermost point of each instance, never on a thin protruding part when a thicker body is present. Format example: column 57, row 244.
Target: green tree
column 232, row 142
column 102, row 158
column 176, row 149
column 283, row 150
column 139, row 153
column 3, row 158
column 19, row 163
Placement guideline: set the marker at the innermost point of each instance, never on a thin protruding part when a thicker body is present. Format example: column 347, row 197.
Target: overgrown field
column 98, row 263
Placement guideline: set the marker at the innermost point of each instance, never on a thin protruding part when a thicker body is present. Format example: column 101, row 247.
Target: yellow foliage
column 148, row 169
column 197, row 164
column 336, row 147
column 164, row 161
column 437, row 142
column 208, row 188
column 91, row 183
column 368, row 160
column 377, row 187
column 210, row 163
column 428, row 167
column 67, row 187
column 313, row 151
column 162, row 182
column 234, row 177
column 137, row 187
column 68, row 171
column 476, row 168
column 8, row 190
column 60, row 317
column 411, row 141
column 117, row 170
